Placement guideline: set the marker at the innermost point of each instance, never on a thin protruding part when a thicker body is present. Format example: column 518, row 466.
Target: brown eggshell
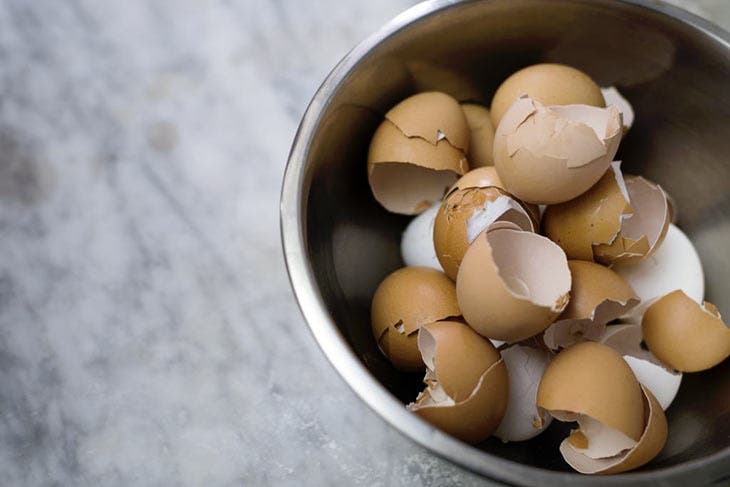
column 457, row 355
column 475, row 418
column 512, row 284
column 550, row 84
column 409, row 174
column 592, row 218
column 685, row 335
column 480, row 177
column 464, row 213
column 594, row 380
column 652, row 440
column 481, row 137
column 642, row 232
column 406, row 300
column 598, row 295
column 432, row 116
column 552, row 154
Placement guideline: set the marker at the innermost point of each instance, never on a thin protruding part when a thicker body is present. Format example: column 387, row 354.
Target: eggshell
column 465, row 213
column 685, row 335
column 512, row 284
column 522, row 420
column 480, row 177
column 597, row 296
column 652, row 440
column 481, row 136
column 612, row 97
column 675, row 265
column 592, row 379
column 406, row 300
column 416, row 244
column 550, row 84
column 432, row 116
column 552, row 154
column 642, row 232
column 467, row 382
column 649, row 371
column 408, row 174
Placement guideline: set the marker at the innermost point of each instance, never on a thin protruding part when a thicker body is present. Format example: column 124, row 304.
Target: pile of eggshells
column 542, row 283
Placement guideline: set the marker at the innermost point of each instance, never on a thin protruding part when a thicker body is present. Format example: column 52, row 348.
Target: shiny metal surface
column 339, row 243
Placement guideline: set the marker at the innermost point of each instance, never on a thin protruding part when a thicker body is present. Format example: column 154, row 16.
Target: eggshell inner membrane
column 598, row 440
column 615, row 98
column 408, row 188
column 503, row 208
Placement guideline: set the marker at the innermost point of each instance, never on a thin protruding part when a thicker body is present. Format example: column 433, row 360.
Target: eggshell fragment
column 408, row 174
column 467, row 382
column 649, row 445
column 649, row 371
column 480, row 177
column 522, row 419
column 432, row 116
column 552, row 154
column 481, row 137
column 465, row 213
column 406, row 300
column 612, row 97
column 593, row 380
column 416, row 244
column 685, row 335
column 675, row 265
column 597, row 296
column 643, row 232
column 550, row 84
column 512, row 284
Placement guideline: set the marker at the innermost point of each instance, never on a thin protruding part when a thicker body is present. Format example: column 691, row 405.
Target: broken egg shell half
column 512, row 284
column 550, row 84
column 467, row 385
column 481, row 135
column 649, row 371
column 685, row 335
column 597, row 296
column 643, row 232
column 465, row 213
column 552, row 154
column 522, row 420
column 416, row 244
column 409, row 174
column 612, row 97
column 432, row 116
column 593, row 380
column 651, row 442
column 406, row 300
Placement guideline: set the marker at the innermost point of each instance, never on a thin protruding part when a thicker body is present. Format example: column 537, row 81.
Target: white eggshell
column 613, row 97
column 416, row 245
column 675, row 265
column 525, row 366
column 662, row 383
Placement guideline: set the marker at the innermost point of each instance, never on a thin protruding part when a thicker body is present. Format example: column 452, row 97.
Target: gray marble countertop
column 148, row 335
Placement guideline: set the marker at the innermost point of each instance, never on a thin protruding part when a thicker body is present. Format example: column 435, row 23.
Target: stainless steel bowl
column 339, row 243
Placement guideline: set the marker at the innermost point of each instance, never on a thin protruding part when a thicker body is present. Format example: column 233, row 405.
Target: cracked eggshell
column 552, row 154
column 643, row 232
column 406, row 300
column 550, row 84
column 651, row 442
column 597, row 296
column 685, row 335
column 409, row 174
column 675, row 265
column 466, row 382
column 481, row 137
column 416, row 244
column 591, row 379
column 613, row 97
column 465, row 213
column 649, row 371
column 512, row 284
column 522, row 420
column 431, row 116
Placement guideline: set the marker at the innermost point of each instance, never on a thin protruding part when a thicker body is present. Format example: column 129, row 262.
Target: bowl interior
column 675, row 75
